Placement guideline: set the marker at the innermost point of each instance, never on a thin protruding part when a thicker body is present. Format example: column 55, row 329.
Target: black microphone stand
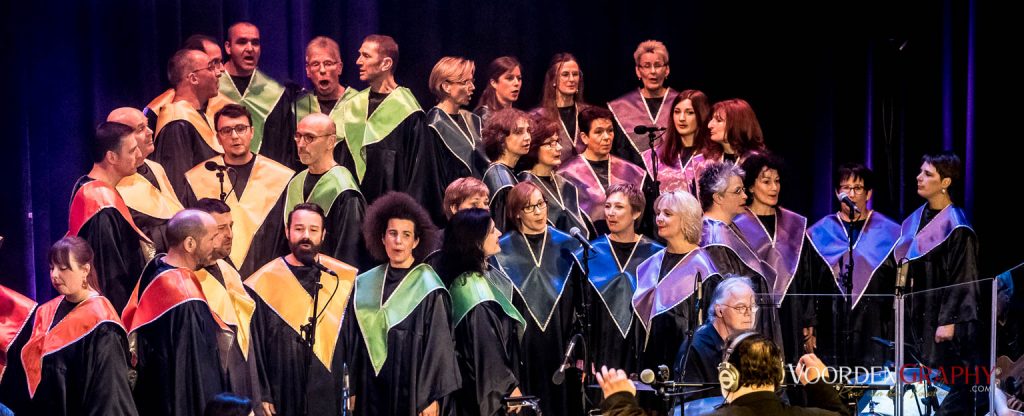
column 846, row 276
column 583, row 325
column 307, row 338
column 220, row 177
column 693, row 322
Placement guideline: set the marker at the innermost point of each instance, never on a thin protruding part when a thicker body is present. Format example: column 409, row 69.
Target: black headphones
column 728, row 374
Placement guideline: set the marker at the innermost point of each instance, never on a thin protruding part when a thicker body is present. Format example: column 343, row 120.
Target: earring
column 943, row 190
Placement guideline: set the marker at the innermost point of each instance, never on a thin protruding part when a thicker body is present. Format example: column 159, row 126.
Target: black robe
column 151, row 201
column 547, row 297
column 873, row 286
column 119, row 248
column 616, row 335
column 343, row 235
column 698, row 362
column 88, row 376
column 733, row 255
column 943, row 252
column 18, row 315
column 487, row 349
column 563, row 203
column 179, row 145
column 460, row 150
column 420, row 367
column 405, row 159
column 280, row 355
column 499, row 180
column 267, row 241
column 178, row 357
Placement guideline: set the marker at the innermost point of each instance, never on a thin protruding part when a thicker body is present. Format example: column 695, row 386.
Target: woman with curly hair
column 405, row 358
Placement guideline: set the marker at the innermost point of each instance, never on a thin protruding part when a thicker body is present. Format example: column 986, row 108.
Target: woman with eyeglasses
column 506, row 139
column 487, row 324
column 723, row 197
column 504, row 81
column 539, row 262
column 456, row 129
column 542, row 162
column 562, row 101
column 941, row 249
column 665, row 296
column 778, row 237
column 874, row 273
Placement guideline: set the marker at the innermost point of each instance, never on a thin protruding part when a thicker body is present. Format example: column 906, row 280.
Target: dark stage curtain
column 881, row 81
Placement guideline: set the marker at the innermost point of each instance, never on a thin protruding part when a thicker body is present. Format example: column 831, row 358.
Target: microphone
column 648, row 376
column 559, row 375
column 213, row 166
column 646, row 129
column 578, row 235
column 699, row 288
column 324, row 269
column 845, row 200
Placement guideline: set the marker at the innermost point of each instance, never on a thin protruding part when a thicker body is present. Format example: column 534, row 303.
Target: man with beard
column 332, row 187
column 211, row 48
column 323, row 68
column 148, row 192
column 646, row 105
column 176, row 339
column 184, row 134
column 302, row 378
column 99, row 214
column 269, row 102
column 387, row 145
column 224, row 292
column 252, row 185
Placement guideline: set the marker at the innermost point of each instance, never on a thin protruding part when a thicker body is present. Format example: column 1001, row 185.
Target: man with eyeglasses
column 596, row 169
column 323, row 68
column 252, row 185
column 196, row 42
column 332, row 187
column 386, row 141
column 731, row 311
column 646, row 105
column 148, row 193
column 874, row 271
column 269, row 102
column 184, row 131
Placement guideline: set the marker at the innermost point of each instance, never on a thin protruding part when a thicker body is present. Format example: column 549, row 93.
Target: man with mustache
column 269, row 102
column 253, row 186
column 648, row 105
column 330, row 186
column 224, row 292
column 295, row 382
column 184, row 129
column 386, row 141
column 175, row 338
column 148, row 193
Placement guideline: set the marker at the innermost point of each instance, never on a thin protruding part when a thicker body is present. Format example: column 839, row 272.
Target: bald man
column 269, row 102
column 330, row 186
column 148, row 193
column 175, row 337
column 185, row 134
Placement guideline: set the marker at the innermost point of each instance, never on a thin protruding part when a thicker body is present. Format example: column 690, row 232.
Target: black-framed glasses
column 309, row 138
column 852, row 190
column 239, row 129
column 744, row 309
column 529, row 209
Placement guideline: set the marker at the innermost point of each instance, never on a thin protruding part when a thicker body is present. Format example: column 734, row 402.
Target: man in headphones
column 750, row 373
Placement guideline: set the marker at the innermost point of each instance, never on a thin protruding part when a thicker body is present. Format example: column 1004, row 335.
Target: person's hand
column 613, row 381
column 810, row 369
column 268, row 408
column 430, row 410
column 515, row 393
column 810, row 340
column 944, row 333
